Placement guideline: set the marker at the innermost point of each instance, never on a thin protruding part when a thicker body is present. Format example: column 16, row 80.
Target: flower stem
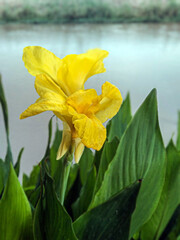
column 66, row 166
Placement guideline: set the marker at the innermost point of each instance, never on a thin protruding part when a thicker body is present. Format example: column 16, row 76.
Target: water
column 142, row 56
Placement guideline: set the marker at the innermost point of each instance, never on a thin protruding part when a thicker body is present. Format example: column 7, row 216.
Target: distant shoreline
column 88, row 12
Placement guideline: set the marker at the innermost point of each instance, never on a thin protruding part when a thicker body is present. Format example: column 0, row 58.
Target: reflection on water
column 142, row 56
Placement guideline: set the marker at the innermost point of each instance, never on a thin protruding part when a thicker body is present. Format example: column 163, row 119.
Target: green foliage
column 117, row 126
column 139, row 155
column 51, row 221
column 86, row 193
column 85, row 164
column 110, row 220
column 108, row 153
column 90, row 11
column 18, row 163
column 127, row 190
column 178, row 133
column 170, row 197
column 3, row 104
column 15, row 211
column 4, row 171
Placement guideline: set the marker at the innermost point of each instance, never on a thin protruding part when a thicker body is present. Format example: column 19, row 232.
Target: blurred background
column 143, row 40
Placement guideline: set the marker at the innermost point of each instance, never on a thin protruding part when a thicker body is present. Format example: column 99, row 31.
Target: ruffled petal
column 84, row 101
column 42, row 105
column 90, row 130
column 66, row 141
column 76, row 69
column 39, row 60
column 110, row 102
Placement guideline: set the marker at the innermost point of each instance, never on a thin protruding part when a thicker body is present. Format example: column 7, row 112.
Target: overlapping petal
column 76, row 69
column 45, row 84
column 110, row 102
column 39, row 60
column 84, row 101
column 90, row 130
column 45, row 104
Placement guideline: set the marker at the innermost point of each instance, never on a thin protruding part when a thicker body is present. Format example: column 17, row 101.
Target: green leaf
column 170, row 197
column 32, row 180
column 17, row 165
column 53, row 152
column 85, row 164
column 140, row 155
column 33, row 194
column 15, row 211
column 107, row 155
column 47, row 153
column 118, row 124
column 51, row 220
column 4, row 172
column 38, row 224
column 152, row 185
column 97, row 158
column 86, row 193
column 3, row 103
column 178, row 133
column 110, row 220
column 172, row 230
column 72, row 176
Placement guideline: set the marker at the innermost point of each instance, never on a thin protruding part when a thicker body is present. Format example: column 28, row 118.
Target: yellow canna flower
column 60, row 85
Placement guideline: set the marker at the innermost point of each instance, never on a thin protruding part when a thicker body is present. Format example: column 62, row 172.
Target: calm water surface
column 142, row 57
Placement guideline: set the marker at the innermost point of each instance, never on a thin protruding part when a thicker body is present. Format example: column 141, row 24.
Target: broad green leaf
column 140, row 155
column 110, row 220
column 118, row 124
column 85, row 164
column 178, row 133
column 15, row 211
column 3, row 103
column 51, row 220
column 152, row 185
column 38, row 224
column 86, row 193
column 32, row 179
column 33, row 194
column 172, row 230
column 97, row 158
column 107, row 155
column 17, row 164
column 170, row 197
column 4, row 172
column 72, row 176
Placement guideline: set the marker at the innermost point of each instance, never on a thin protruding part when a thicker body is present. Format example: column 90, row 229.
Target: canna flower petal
column 110, row 102
column 79, row 148
column 90, row 130
column 76, row 69
column 42, row 105
column 84, row 101
column 45, row 84
column 66, row 141
column 39, row 60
